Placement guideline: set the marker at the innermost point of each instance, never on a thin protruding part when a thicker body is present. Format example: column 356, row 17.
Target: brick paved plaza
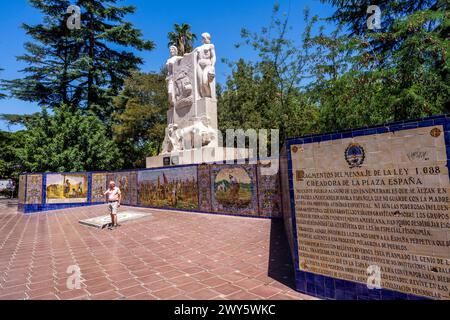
column 168, row 255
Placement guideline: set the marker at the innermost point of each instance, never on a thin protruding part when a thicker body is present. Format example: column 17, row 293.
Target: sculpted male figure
column 206, row 61
column 170, row 76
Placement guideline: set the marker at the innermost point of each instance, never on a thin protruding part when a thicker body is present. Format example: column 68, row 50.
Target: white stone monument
column 192, row 131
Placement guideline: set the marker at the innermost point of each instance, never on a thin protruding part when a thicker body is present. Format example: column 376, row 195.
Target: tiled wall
column 170, row 188
column 233, row 189
column 204, row 188
column 210, row 188
column 286, row 200
column 127, row 182
column 328, row 287
column 270, row 204
column 99, row 185
column 60, row 188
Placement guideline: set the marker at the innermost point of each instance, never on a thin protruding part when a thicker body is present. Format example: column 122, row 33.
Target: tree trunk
column 90, row 82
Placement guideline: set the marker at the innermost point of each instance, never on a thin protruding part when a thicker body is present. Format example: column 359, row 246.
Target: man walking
column 113, row 196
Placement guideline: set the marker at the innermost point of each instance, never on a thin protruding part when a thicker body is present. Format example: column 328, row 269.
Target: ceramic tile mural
column 67, row 188
column 229, row 189
column 269, row 194
column 133, row 189
column 127, row 183
column 371, row 200
column 233, row 189
column 34, row 189
column 169, row 188
column 99, row 186
column 21, row 192
column 204, row 187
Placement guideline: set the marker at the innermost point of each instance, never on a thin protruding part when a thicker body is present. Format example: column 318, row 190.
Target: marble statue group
column 192, row 116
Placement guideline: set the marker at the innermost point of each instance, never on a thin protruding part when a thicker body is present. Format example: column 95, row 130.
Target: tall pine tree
column 408, row 55
column 82, row 68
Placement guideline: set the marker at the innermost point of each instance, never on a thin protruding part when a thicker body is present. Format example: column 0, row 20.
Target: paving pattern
column 169, row 255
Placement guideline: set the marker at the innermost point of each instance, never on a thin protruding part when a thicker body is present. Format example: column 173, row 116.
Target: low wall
column 238, row 189
column 369, row 211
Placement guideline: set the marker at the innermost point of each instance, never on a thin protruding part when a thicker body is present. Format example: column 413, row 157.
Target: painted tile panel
column 174, row 188
column 234, row 190
column 34, row 189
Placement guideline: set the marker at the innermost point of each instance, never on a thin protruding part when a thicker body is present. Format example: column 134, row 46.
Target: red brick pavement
column 168, row 255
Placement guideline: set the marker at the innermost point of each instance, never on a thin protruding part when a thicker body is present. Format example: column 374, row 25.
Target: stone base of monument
column 199, row 156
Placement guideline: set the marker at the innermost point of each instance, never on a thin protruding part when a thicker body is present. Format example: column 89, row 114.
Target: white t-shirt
column 113, row 195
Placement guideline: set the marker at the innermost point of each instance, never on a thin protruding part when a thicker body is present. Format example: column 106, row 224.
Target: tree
column 107, row 68
column 141, row 117
column 50, row 78
column 267, row 93
column 400, row 72
column 418, row 70
column 78, row 68
column 340, row 84
column 67, row 141
column 182, row 38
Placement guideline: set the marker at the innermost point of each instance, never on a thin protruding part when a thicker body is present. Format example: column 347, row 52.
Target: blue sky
column 223, row 19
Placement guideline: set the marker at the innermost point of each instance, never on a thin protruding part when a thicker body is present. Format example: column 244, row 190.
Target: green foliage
column 353, row 13
column 67, row 141
column 338, row 80
column 265, row 94
column 418, row 71
column 363, row 80
column 10, row 166
column 251, row 101
column 182, row 38
column 19, row 119
column 141, row 117
column 78, row 68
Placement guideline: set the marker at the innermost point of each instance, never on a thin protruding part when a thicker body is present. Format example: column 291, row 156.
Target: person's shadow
column 281, row 267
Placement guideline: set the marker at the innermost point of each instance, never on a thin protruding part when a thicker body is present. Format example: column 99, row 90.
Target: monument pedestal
column 192, row 135
column 199, row 156
column 207, row 110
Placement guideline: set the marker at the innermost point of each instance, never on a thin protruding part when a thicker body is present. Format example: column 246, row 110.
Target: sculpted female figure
column 206, row 61
column 170, row 77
